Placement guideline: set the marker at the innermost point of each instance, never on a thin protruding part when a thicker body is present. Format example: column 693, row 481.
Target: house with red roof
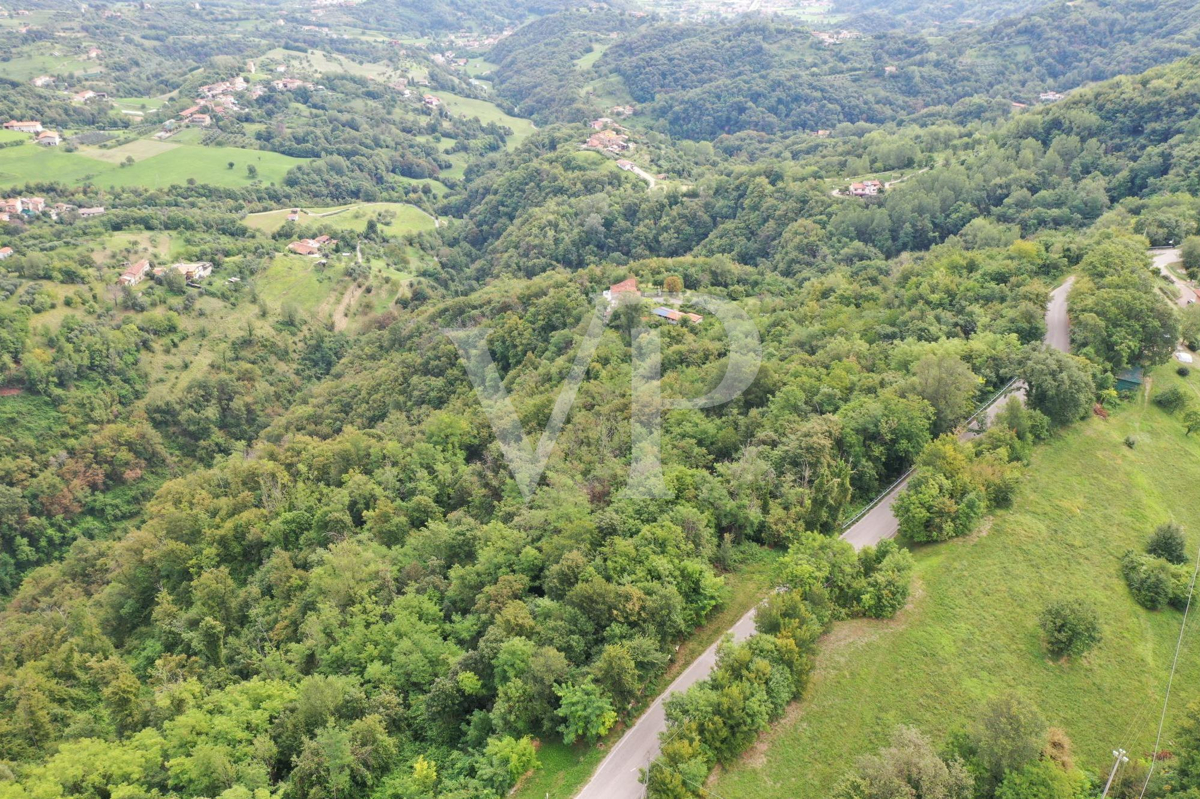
column 625, row 291
column 135, row 274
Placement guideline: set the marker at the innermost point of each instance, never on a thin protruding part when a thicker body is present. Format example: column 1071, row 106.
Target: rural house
column 626, row 290
column 135, row 274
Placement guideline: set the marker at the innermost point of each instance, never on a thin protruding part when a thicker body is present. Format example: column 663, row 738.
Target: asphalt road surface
column 1187, row 295
column 619, row 773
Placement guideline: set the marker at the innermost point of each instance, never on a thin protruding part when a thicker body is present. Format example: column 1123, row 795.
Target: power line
column 1162, row 720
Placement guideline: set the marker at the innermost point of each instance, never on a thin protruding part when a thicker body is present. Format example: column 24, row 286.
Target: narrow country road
column 1163, row 258
column 618, row 775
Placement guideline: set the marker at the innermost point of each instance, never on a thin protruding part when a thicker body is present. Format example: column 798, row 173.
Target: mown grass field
column 404, row 218
column 137, row 150
column 971, row 631
column 565, row 769
column 156, row 165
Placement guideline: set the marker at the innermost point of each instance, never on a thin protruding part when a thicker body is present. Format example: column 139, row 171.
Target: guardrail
column 999, row 395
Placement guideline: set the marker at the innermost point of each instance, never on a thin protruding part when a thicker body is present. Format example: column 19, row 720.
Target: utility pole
column 1119, row 758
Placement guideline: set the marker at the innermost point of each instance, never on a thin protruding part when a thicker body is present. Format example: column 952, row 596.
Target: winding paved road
column 618, row 775
column 1187, row 294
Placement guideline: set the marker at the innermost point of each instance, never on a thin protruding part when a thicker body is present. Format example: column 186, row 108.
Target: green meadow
column 401, row 218
column 488, row 112
column 971, row 631
column 589, row 60
column 321, row 63
column 28, row 67
column 156, row 165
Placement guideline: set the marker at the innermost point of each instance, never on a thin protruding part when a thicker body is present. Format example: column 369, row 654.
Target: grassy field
column 321, row 63
column 488, row 112
column 156, row 165
column 589, row 60
column 295, row 280
column 971, row 631
column 28, row 67
column 137, row 150
column 566, row 768
column 29, row 162
column 205, row 164
column 405, row 218
column 139, row 104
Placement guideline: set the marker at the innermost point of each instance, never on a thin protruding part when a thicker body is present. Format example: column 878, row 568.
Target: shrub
column 1153, row 581
column 1171, row 400
column 1167, row 542
column 1071, row 627
column 1183, row 371
column 1130, row 442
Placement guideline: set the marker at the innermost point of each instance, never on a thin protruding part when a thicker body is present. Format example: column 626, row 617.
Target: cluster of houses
column 17, row 207
column 291, row 84
column 431, row 101
column 609, row 137
column 88, row 96
column 311, row 247
column 137, row 272
column 831, row 38
column 1044, row 97
column 214, row 99
column 46, row 138
column 448, row 58
column 627, row 291
column 472, row 40
column 868, row 188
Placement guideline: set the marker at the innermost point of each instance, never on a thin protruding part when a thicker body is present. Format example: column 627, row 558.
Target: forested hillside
column 702, row 81
column 257, row 535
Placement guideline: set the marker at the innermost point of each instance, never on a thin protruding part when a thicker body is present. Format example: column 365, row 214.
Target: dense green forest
column 774, row 76
column 257, row 535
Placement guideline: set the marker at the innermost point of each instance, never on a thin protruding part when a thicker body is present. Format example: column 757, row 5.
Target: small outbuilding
column 1131, row 379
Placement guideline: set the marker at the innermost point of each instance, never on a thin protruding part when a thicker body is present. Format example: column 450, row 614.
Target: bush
column 1171, row 400
column 1071, row 627
column 1167, row 542
column 1130, row 442
column 1183, row 371
column 1153, row 581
